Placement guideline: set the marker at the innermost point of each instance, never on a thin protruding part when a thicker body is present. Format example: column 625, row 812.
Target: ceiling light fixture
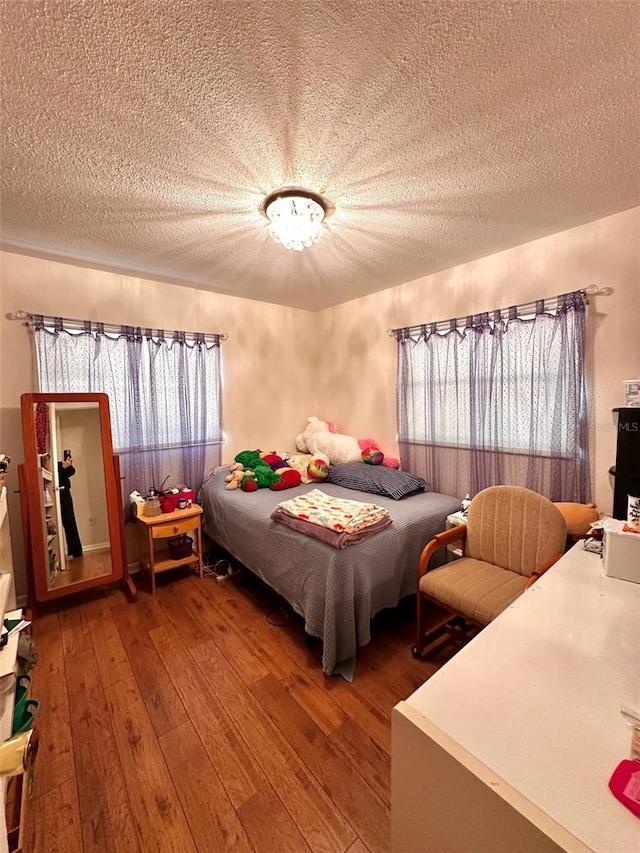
column 296, row 217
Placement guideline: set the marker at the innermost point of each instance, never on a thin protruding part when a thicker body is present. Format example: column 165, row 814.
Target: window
column 165, row 396
column 492, row 391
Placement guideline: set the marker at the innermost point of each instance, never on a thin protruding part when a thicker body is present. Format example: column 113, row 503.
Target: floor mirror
column 71, row 496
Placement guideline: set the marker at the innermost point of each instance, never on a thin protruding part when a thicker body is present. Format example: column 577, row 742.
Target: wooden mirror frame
column 31, row 485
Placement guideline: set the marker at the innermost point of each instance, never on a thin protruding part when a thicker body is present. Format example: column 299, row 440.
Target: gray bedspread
column 337, row 592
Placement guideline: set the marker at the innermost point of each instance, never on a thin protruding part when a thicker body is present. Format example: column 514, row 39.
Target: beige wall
column 268, row 361
column 356, row 379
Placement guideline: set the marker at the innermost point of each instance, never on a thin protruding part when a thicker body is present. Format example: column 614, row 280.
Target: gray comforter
column 337, row 592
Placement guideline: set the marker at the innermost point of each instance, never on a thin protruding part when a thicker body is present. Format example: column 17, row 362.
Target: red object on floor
column 625, row 785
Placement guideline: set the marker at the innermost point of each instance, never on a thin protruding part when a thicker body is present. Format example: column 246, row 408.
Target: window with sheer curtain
column 164, row 394
column 497, row 399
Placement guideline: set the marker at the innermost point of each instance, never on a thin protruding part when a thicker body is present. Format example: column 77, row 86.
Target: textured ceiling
column 143, row 136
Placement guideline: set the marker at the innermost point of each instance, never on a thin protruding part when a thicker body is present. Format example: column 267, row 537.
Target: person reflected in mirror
column 65, row 473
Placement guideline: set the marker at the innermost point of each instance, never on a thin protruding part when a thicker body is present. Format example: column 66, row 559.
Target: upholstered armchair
column 512, row 536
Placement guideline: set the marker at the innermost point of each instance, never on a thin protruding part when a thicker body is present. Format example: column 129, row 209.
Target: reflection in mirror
column 74, row 493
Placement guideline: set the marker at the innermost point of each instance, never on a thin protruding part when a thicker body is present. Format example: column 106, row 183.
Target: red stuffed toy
column 289, row 479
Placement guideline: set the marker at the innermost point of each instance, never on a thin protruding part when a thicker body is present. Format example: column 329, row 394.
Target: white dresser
column 8, row 654
column 510, row 746
column 6, row 558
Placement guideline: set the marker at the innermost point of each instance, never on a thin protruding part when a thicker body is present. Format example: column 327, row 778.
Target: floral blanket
column 338, row 514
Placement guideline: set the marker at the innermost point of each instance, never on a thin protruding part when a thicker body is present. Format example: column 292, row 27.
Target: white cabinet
column 8, row 654
column 52, row 532
column 8, row 666
column 6, row 559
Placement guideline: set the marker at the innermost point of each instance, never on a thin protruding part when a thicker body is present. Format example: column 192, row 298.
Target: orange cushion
column 578, row 517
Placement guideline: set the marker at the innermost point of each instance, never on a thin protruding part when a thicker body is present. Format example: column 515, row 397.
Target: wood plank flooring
column 189, row 722
column 92, row 564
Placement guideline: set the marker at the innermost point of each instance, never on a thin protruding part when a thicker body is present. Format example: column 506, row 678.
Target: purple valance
column 501, row 317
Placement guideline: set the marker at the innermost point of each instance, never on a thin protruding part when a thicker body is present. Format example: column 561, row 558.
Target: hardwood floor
column 189, row 722
column 92, row 564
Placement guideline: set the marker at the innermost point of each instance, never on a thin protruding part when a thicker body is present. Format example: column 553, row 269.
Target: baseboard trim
column 133, row 568
column 101, row 546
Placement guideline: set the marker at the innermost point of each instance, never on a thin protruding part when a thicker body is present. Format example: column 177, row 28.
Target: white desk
column 511, row 744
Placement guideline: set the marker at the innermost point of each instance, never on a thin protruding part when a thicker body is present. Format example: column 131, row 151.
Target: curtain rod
column 526, row 308
column 109, row 328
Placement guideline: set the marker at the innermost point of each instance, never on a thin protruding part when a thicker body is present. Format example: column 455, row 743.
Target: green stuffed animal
column 264, row 477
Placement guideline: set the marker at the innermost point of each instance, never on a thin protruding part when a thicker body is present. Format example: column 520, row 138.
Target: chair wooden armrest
column 454, row 534
column 539, row 572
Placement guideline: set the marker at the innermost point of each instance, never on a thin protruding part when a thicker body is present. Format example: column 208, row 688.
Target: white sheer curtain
column 165, row 396
column 498, row 399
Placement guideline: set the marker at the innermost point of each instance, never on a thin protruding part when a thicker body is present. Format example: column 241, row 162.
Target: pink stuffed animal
column 368, row 443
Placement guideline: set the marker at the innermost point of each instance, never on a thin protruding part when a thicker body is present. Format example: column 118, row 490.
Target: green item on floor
column 28, row 718
column 22, row 693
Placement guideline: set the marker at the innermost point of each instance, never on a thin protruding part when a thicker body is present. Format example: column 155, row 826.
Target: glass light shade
column 296, row 221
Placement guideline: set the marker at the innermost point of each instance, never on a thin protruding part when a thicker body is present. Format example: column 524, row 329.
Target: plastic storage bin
column 180, row 547
column 187, row 494
column 621, row 553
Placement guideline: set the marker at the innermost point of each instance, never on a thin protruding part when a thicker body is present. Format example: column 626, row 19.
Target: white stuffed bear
column 317, row 438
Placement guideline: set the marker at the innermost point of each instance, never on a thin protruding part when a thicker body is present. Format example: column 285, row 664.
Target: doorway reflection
column 75, row 505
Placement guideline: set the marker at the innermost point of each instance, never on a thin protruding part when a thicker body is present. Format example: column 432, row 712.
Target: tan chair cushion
column 474, row 588
column 514, row 528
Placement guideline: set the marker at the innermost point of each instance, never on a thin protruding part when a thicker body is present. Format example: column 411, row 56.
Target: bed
column 336, row 592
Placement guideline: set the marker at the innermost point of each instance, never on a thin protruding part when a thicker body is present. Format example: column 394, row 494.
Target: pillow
column 579, row 517
column 376, row 479
column 300, row 462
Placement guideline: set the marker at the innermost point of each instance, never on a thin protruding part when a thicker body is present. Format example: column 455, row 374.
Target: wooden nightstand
column 166, row 526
